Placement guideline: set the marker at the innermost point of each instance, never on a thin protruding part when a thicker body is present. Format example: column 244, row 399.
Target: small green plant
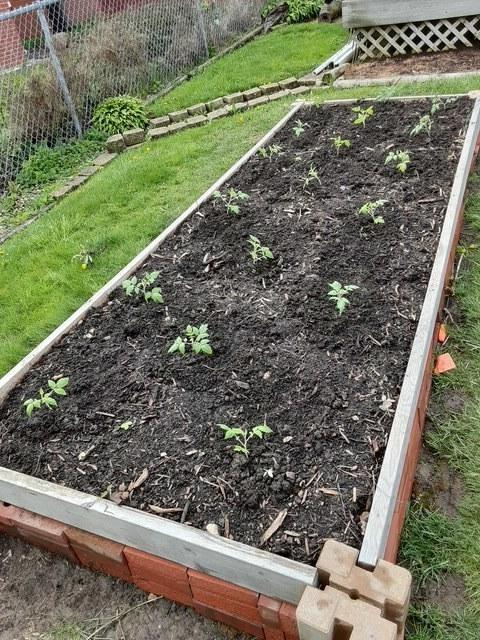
column 299, row 128
column 362, row 115
column 197, row 338
column 259, row 252
column 243, row 436
column 338, row 293
column 423, row 125
column 134, row 287
column 118, row 114
column 400, row 158
column 339, row 144
column 369, row 209
column 45, row 398
column 311, row 176
column 297, row 10
column 231, row 199
column 272, row 150
column 85, row 258
column 438, row 103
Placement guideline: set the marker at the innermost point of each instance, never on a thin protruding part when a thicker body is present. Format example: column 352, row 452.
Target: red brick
column 42, row 532
column 159, row 576
column 288, row 620
column 269, row 610
column 246, row 626
column 99, row 554
column 273, row 633
column 6, row 525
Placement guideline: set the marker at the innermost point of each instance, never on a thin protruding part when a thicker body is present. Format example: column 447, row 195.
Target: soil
column 42, row 594
column 326, row 384
column 437, row 486
column 457, row 61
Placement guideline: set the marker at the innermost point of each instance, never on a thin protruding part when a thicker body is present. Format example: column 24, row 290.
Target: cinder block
column 331, row 614
column 251, row 94
column 288, row 621
column 99, row 554
column 269, row 610
column 159, row 132
column 41, row 532
column 89, row 171
column 245, row 626
column 159, row 576
column 219, row 113
column 103, row 159
column 63, row 191
column 133, row 136
column 115, row 144
column 195, row 121
column 162, row 121
column 267, row 89
column 213, row 105
column 278, row 95
column 233, row 98
column 257, row 101
column 240, row 106
column 197, row 109
column 299, row 90
column 77, row 182
column 309, row 80
column 289, row 83
column 387, row 587
column 178, row 126
column 178, row 116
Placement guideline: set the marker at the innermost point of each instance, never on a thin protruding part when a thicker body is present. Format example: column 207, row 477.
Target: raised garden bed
column 326, row 384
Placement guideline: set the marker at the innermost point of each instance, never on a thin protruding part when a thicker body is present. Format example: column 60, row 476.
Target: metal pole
column 59, row 71
column 201, row 23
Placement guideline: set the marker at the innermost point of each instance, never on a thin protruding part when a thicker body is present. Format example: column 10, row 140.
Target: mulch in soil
column 326, row 384
column 460, row 60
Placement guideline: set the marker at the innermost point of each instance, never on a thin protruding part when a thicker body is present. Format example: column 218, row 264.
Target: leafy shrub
column 298, row 10
column 119, row 114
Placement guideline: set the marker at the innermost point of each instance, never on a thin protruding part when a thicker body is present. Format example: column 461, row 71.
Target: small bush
column 115, row 115
column 298, row 10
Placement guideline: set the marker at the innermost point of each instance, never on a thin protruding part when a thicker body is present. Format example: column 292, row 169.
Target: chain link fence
column 60, row 58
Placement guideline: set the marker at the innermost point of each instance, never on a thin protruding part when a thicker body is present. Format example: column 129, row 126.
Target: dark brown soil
column 326, row 384
column 456, row 61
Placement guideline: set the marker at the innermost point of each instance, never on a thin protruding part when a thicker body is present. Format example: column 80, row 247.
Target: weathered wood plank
column 238, row 563
column 367, row 13
column 388, row 484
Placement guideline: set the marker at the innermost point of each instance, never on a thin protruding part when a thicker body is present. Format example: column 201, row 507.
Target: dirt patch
column 38, row 592
column 325, row 383
column 460, row 60
column 449, row 593
column 437, row 485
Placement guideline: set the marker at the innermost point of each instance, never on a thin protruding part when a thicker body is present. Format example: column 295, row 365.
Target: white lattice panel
column 416, row 37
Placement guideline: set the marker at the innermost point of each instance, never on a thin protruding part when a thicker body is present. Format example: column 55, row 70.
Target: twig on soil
column 119, row 617
column 274, row 527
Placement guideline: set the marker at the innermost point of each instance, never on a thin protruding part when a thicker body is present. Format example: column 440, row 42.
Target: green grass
column 291, row 50
column 65, row 631
column 432, row 544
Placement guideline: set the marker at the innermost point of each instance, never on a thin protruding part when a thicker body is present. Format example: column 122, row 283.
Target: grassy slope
column 291, row 50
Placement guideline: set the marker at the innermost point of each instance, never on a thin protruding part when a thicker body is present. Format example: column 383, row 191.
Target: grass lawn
column 290, row 50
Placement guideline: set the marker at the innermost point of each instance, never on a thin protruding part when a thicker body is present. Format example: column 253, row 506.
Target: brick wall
column 11, row 48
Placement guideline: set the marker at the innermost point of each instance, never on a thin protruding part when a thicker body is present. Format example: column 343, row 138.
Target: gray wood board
column 367, row 13
column 388, row 484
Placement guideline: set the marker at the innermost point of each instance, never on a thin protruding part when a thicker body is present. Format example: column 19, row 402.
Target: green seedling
column 339, row 144
column 231, row 199
column 438, row 103
column 135, row 287
column 423, row 125
column 311, row 176
column 369, row 209
column 46, row 399
column 259, row 252
column 401, row 159
column 272, row 150
column 243, row 436
column 338, row 293
column 125, row 426
column 196, row 338
column 362, row 115
column 85, row 258
column 299, row 128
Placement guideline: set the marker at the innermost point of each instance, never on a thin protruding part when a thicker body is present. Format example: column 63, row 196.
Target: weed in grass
column 423, row 125
column 85, row 258
column 340, row 144
column 369, row 209
column 258, row 252
column 339, row 294
column 400, row 158
column 362, row 115
column 243, row 436
column 134, row 287
column 196, row 338
column 231, row 199
column 45, row 398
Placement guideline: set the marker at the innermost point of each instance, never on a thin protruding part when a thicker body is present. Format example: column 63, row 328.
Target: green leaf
column 206, row 349
column 60, row 392
column 63, row 382
column 239, row 449
column 52, row 384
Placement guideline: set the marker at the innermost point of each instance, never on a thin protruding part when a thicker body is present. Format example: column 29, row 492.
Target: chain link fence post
column 201, row 25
